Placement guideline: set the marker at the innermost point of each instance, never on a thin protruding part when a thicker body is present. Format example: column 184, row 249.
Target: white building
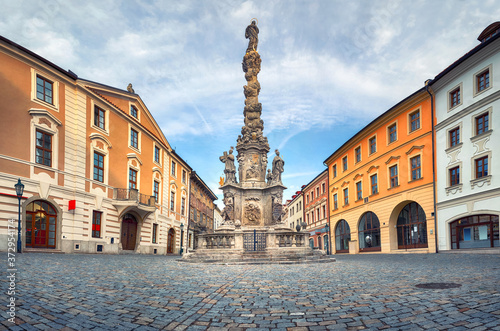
column 467, row 108
column 296, row 210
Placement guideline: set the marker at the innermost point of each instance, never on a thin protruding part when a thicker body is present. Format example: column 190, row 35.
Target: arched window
column 369, row 232
column 478, row 231
column 41, row 225
column 412, row 227
column 342, row 237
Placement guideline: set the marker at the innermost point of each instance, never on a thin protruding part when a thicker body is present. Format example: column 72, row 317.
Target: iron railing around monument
column 124, row 194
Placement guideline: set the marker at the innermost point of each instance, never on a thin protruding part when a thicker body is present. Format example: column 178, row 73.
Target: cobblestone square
column 148, row 292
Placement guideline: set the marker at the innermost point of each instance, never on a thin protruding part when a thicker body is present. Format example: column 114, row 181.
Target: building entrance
column 479, row 231
column 129, row 232
column 41, row 225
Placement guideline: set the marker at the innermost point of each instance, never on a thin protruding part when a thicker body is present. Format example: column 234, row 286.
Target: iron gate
column 255, row 241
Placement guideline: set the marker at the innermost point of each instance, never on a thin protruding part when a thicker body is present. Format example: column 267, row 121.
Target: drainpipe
column 427, row 82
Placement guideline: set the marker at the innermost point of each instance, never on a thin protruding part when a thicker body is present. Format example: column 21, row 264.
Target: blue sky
column 328, row 67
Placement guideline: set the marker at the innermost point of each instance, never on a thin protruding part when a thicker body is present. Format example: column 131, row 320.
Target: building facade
column 381, row 183
column 315, row 196
column 201, row 208
column 99, row 174
column 295, row 210
column 467, row 101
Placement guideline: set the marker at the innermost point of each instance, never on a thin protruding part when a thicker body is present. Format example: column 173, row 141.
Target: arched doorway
column 412, row 227
column 171, row 241
column 478, row 231
column 41, row 225
column 129, row 232
column 319, row 242
column 342, row 237
column 369, row 232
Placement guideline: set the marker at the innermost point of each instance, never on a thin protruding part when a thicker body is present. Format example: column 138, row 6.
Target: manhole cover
column 438, row 286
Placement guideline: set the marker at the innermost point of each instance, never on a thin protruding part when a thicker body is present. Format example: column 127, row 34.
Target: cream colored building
column 99, row 174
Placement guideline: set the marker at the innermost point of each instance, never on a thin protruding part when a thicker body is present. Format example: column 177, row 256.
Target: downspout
column 427, row 82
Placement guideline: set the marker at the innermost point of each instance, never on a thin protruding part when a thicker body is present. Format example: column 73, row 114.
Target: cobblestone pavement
column 124, row 292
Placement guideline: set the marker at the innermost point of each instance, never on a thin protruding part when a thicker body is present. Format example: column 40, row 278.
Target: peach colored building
column 315, row 197
column 381, row 183
column 99, row 174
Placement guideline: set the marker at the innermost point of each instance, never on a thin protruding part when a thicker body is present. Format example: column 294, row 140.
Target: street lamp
column 327, row 229
column 19, row 192
column 182, row 236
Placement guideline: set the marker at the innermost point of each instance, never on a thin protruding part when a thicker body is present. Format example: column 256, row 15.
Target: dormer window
column 492, row 30
column 133, row 111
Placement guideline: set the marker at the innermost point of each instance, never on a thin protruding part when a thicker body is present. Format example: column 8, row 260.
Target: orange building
column 381, row 183
column 99, row 174
column 315, row 196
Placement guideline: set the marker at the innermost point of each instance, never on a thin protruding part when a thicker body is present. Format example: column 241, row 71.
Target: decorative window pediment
column 372, row 168
column 344, row 183
column 357, row 176
column 392, row 158
column 414, row 148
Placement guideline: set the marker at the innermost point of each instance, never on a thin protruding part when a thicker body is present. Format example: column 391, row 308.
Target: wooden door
column 41, row 223
column 170, row 241
column 129, row 233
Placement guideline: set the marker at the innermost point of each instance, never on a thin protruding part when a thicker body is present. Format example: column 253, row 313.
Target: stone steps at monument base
column 263, row 260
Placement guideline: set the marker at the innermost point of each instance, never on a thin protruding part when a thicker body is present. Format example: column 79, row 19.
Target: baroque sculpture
column 230, row 169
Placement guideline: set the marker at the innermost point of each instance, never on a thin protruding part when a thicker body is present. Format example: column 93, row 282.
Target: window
column 44, row 89
column 393, row 135
column 357, row 153
column 172, row 201
column 134, row 138
column 133, row 111
column 96, row 224
column 394, row 176
column 43, row 152
column 323, row 188
column 183, row 206
column 308, row 219
column 346, row 196
column 312, row 196
column 317, row 214
column 98, row 167
column 373, row 144
column 184, row 176
column 482, row 123
column 454, row 176
column 416, row 172
column 132, row 179
column 99, row 118
column 317, row 192
column 157, row 154
column 359, row 191
column 154, row 239
column 335, row 202
column 324, row 211
column 312, row 216
column 454, row 136
column 415, row 121
column 156, row 190
column 344, row 163
column 374, row 183
column 334, row 170
column 483, row 81
column 455, row 97
column 173, row 168
column 307, row 198
column 481, row 167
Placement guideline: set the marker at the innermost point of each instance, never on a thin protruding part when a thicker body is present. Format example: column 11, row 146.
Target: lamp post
column 19, row 192
column 182, row 236
column 327, row 229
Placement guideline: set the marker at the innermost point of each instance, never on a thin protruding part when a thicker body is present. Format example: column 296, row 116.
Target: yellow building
column 99, row 174
column 381, row 183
